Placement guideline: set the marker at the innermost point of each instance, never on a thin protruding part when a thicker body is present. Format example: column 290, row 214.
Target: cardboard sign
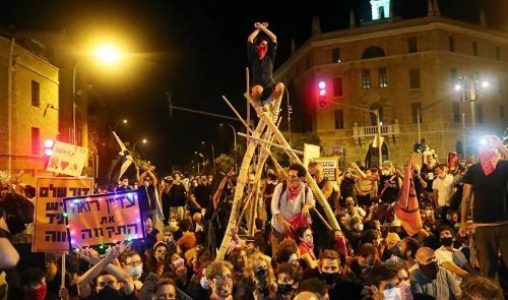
column 49, row 232
column 330, row 166
column 105, row 218
column 310, row 152
column 67, row 159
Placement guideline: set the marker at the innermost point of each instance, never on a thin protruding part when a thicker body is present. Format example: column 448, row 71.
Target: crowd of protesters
column 292, row 253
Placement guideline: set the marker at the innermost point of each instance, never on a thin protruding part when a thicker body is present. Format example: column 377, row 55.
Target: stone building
column 29, row 108
column 423, row 75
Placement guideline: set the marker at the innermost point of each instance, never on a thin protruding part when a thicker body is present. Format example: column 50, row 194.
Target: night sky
column 195, row 49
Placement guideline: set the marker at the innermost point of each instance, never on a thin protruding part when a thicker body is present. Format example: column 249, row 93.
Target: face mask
column 136, row 272
column 204, row 283
column 330, row 278
column 261, row 274
column 358, row 227
column 108, row 293
column 179, row 263
column 262, row 49
column 429, row 270
column 36, row 294
column 447, row 241
column 284, row 288
column 430, row 176
column 392, row 294
column 395, row 250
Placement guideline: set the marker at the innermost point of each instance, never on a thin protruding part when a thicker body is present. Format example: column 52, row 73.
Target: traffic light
column 322, row 98
column 48, row 147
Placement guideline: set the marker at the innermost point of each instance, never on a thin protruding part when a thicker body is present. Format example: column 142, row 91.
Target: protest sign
column 67, row 159
column 105, row 218
column 310, row 152
column 330, row 166
column 49, row 232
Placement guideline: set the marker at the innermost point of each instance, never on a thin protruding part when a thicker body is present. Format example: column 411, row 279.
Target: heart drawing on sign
column 64, row 164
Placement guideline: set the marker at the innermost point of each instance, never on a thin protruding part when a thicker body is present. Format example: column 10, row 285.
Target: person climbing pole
column 261, row 52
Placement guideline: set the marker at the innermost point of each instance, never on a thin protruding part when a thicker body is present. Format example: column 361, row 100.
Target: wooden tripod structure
column 265, row 130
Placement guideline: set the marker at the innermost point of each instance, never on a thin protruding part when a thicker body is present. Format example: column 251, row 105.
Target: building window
column 502, row 114
column 451, row 44
column 414, row 78
column 336, row 55
column 416, row 110
column 373, row 52
column 456, row 112
column 498, row 53
column 412, row 45
column 36, row 100
column 308, row 62
column 339, row 119
column 383, row 77
column 337, row 87
column 475, row 48
column 36, row 141
column 454, row 76
column 365, row 79
column 479, row 113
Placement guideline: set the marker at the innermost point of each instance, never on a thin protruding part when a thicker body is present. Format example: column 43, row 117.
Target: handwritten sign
column 49, row 232
column 105, row 218
column 330, row 166
column 310, row 152
column 67, row 159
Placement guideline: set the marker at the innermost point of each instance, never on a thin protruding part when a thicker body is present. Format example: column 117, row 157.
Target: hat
column 392, row 238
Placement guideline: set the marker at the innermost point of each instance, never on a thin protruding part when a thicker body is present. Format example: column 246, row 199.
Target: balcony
column 391, row 130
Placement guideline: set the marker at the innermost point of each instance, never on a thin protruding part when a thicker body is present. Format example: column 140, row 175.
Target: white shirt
column 288, row 210
column 444, row 189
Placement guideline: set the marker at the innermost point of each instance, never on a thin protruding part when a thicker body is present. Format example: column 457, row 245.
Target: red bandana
column 488, row 160
column 293, row 193
column 261, row 50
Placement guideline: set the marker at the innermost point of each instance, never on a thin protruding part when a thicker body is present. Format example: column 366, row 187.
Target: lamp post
column 143, row 141
column 468, row 87
column 124, row 121
column 213, row 155
column 234, row 133
column 106, row 54
column 376, row 113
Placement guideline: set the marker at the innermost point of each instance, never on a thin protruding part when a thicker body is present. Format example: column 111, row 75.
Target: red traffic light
column 48, row 147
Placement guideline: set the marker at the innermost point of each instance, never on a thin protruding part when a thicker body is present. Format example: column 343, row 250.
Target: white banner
column 67, row 159
column 310, row 152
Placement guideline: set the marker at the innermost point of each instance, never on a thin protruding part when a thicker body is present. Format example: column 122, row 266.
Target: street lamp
column 234, row 133
column 213, row 155
column 124, row 121
column 143, row 141
column 106, row 54
column 376, row 113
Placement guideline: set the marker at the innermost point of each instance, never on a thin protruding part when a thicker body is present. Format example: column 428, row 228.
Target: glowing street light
column 458, row 87
column 144, row 141
column 124, row 121
column 108, row 54
column 485, row 84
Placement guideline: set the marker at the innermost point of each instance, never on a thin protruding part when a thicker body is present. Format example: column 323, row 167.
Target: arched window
column 373, row 52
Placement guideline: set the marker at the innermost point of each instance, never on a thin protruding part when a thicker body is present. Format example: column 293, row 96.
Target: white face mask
column 392, row 294
column 205, row 284
column 136, row 272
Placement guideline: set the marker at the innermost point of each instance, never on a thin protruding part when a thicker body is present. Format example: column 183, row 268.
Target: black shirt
column 262, row 69
column 490, row 196
column 202, row 194
column 177, row 195
column 146, row 197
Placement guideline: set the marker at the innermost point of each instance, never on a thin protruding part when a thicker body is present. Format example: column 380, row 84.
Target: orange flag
column 406, row 208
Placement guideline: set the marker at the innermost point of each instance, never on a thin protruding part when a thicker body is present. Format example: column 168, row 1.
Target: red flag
column 407, row 209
